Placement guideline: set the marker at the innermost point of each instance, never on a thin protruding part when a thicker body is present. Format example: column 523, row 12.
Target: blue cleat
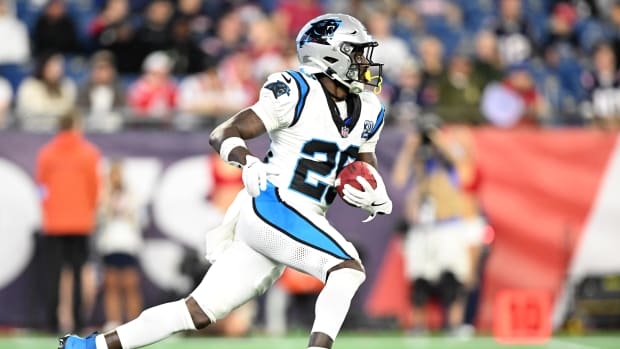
column 71, row 341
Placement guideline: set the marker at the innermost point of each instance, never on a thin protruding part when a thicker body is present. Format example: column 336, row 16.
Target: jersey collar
column 354, row 107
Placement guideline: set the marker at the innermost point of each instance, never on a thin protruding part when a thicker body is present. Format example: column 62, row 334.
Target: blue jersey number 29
column 334, row 159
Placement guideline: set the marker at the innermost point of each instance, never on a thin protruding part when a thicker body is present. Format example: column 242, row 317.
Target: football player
column 319, row 119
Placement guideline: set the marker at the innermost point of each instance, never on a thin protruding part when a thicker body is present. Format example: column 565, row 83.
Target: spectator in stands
column 443, row 18
column 487, row 65
column 6, row 96
column 204, row 99
column 199, row 23
column 47, row 95
column 291, row 15
column 515, row 40
column 112, row 30
column 614, row 29
column 519, row 80
column 102, row 96
column 408, row 24
column 154, row 95
column 155, row 32
column 228, row 38
column 265, row 48
column 55, row 30
column 394, row 52
column 119, row 241
column 187, row 55
column 69, row 203
column 561, row 31
column 432, row 8
column 459, row 93
column 237, row 73
column 405, row 104
column 602, row 85
column 431, row 54
column 17, row 49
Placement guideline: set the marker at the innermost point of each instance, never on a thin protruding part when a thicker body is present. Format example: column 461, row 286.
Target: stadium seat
column 14, row 73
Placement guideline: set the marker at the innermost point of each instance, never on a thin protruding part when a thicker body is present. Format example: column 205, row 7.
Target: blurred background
column 500, row 151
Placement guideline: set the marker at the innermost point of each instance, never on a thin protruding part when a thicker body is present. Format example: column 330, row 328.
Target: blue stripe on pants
column 271, row 209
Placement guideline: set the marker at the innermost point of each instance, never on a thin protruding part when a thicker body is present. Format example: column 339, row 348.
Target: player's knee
column 351, row 270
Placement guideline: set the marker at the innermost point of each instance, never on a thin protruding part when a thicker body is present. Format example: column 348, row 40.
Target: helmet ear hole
column 330, row 59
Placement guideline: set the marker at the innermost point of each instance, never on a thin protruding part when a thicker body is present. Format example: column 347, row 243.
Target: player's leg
column 79, row 254
column 130, row 280
column 308, row 243
column 112, row 297
column 51, row 267
column 452, row 297
column 334, row 301
column 422, row 290
column 238, row 275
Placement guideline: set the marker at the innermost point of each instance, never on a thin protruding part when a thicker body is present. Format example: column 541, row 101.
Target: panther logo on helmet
column 320, row 31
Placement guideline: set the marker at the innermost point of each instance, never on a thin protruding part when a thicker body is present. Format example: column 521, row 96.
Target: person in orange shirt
column 68, row 180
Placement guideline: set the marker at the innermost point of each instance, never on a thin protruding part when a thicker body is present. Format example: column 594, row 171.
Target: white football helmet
column 339, row 46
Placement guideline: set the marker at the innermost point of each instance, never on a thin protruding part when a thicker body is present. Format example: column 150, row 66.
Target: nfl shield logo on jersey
column 367, row 128
column 344, row 131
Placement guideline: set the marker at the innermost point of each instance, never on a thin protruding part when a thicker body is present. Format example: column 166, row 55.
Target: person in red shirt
column 154, row 95
column 67, row 176
column 519, row 80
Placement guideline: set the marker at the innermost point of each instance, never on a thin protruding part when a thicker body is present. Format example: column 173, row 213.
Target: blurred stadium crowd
column 184, row 64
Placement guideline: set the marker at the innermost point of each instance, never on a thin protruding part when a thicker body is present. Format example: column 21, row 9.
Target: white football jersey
column 310, row 141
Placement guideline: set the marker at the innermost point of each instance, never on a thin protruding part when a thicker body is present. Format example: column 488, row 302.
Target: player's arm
column 270, row 113
column 228, row 138
column 369, row 158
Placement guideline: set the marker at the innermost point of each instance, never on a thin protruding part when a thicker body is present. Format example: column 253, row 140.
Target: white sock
column 153, row 325
column 334, row 300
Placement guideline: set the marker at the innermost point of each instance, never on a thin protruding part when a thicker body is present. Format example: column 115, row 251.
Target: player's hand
column 255, row 175
column 374, row 201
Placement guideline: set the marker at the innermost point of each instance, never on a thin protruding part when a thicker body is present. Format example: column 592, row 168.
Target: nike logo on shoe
column 288, row 80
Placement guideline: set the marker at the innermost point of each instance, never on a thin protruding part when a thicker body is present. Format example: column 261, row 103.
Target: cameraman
column 443, row 227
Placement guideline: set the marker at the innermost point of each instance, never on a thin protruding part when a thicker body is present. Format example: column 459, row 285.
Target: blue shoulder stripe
column 303, row 88
column 378, row 123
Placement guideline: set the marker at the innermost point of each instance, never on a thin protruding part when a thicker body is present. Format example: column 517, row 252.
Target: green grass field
column 350, row 341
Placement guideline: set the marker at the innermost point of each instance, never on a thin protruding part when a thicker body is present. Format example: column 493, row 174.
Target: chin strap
column 368, row 77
